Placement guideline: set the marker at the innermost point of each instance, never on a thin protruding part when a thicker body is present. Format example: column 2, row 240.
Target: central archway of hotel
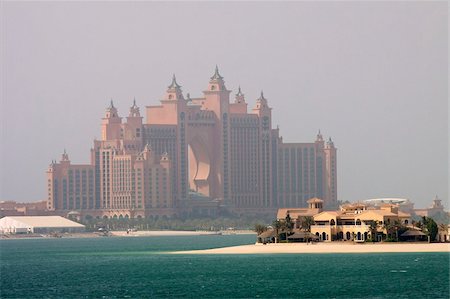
column 199, row 166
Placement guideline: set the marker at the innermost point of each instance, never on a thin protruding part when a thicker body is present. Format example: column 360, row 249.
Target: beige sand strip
column 324, row 248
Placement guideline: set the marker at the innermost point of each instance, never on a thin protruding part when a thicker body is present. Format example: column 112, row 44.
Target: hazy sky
column 373, row 76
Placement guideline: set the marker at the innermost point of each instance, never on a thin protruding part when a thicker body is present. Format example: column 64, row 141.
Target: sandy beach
column 168, row 233
column 295, row 248
column 161, row 233
column 155, row 233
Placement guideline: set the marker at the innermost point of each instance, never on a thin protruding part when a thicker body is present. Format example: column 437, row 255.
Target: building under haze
column 205, row 145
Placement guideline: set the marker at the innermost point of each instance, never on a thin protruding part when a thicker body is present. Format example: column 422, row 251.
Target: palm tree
column 259, row 228
column 288, row 224
column 397, row 225
column 277, row 225
column 298, row 222
column 430, row 228
column 307, row 222
column 373, row 229
column 388, row 227
column 283, row 228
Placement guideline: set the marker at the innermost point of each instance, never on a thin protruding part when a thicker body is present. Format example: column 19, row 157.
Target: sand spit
column 167, row 233
column 156, row 233
column 161, row 233
column 295, row 248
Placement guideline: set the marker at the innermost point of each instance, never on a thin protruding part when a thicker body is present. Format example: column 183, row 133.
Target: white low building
column 38, row 224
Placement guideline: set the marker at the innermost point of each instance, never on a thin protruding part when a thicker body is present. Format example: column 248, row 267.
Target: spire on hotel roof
column 134, row 110
column 261, row 102
column 330, row 142
column 174, row 92
column 319, row 136
column 216, row 75
column 239, row 96
column 64, row 156
column 174, row 84
column 261, row 97
column 111, row 111
column 239, row 93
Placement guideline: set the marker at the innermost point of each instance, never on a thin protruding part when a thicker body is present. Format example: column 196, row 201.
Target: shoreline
column 160, row 233
column 149, row 233
column 323, row 248
column 167, row 233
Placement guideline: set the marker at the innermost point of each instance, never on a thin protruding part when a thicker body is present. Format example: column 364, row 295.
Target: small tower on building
column 111, row 123
column 174, row 92
column 240, row 98
column 65, row 161
column 216, row 83
column 263, row 110
column 133, row 127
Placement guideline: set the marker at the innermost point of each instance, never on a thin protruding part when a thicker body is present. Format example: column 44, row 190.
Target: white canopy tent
column 38, row 224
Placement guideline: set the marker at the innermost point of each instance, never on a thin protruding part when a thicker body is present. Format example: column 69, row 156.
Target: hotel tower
column 193, row 153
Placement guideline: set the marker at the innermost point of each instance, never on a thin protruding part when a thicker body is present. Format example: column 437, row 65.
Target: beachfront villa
column 356, row 222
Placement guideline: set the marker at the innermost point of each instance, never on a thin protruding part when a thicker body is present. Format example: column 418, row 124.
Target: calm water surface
column 140, row 268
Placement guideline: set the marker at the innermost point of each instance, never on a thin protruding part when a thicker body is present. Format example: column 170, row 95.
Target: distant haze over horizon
column 373, row 76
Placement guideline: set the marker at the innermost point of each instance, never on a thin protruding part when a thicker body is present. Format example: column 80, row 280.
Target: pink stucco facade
column 212, row 145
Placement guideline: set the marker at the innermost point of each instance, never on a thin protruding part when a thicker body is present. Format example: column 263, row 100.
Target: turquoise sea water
column 139, row 268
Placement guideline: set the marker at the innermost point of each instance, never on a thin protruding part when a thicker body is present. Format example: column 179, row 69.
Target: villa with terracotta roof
column 315, row 206
column 356, row 222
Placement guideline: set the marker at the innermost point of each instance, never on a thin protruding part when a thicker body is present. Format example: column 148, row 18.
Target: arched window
column 332, row 222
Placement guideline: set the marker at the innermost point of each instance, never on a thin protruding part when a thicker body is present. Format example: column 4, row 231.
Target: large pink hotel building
column 193, row 153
